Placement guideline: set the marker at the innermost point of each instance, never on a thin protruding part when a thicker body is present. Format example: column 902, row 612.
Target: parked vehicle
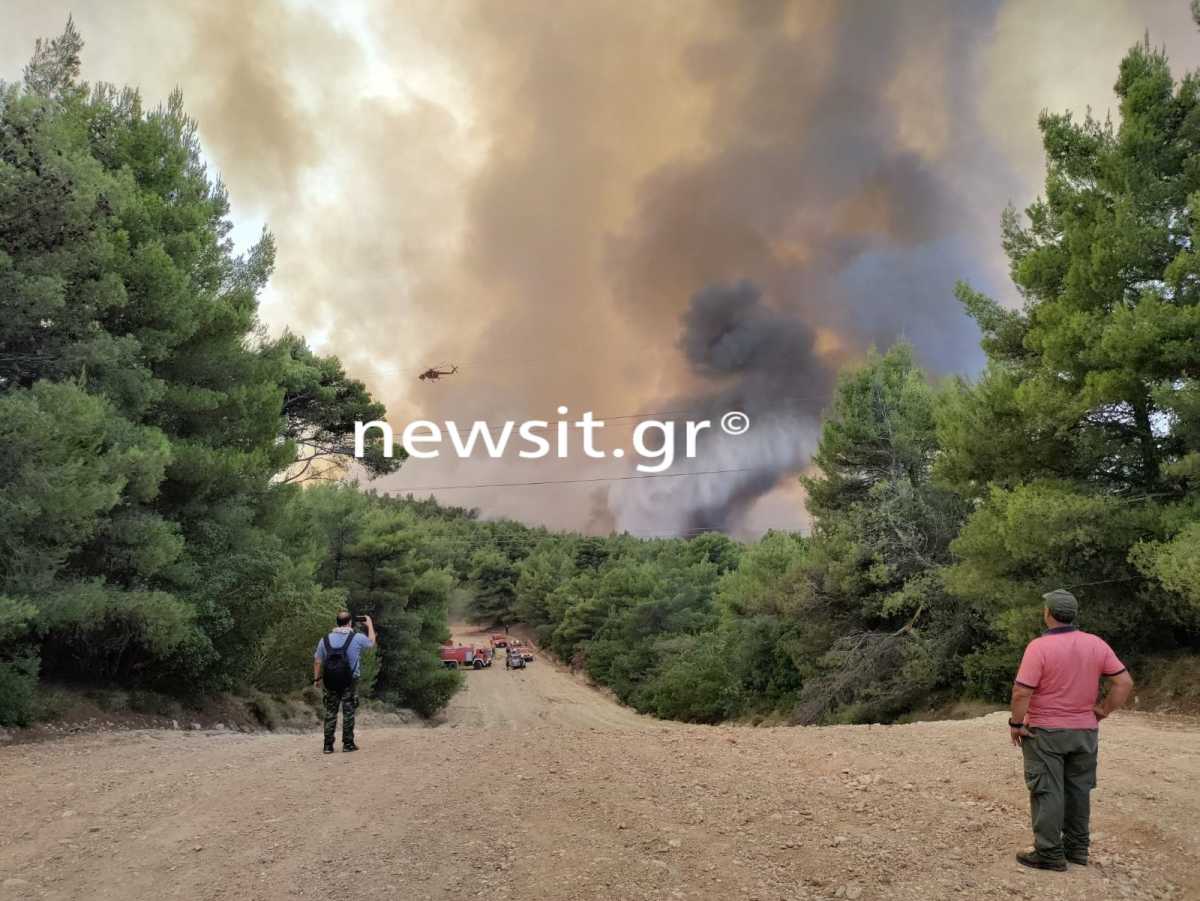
column 526, row 653
column 465, row 655
column 499, row 640
column 514, row 661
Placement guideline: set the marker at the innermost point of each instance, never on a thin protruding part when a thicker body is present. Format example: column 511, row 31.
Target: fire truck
column 456, row 655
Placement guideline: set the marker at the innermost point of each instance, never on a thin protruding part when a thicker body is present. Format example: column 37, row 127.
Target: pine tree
column 1080, row 444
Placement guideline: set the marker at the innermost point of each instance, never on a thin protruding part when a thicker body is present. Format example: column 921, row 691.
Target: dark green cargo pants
column 348, row 701
column 1060, row 773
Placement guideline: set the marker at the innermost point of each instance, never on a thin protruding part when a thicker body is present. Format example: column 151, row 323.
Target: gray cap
column 1062, row 605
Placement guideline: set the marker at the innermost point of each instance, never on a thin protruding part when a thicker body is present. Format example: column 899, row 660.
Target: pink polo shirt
column 1063, row 666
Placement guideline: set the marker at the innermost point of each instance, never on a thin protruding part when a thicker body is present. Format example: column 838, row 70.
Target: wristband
column 1013, row 725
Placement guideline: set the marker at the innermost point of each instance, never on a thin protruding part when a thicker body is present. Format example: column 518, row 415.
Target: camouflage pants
column 348, row 699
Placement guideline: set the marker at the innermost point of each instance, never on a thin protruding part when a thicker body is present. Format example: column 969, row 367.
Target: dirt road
column 535, row 787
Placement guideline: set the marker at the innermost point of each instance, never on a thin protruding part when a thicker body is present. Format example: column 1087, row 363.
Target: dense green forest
column 163, row 522
column 154, row 530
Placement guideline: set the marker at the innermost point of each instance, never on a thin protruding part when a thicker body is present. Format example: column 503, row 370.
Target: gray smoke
column 760, row 361
column 836, row 191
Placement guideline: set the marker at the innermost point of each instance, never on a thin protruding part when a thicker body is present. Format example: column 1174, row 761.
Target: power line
column 492, row 426
column 653, row 475
column 436, row 541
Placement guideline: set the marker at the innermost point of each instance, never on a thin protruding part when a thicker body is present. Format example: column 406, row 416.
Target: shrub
column 989, row 671
column 18, row 679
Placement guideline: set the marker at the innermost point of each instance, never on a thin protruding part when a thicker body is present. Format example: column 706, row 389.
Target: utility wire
column 653, row 475
column 432, row 543
column 492, row 426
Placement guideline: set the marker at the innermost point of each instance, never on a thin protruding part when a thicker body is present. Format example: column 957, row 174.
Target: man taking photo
column 1055, row 722
column 336, row 662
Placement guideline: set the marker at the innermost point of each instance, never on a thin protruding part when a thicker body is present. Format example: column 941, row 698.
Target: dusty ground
column 536, row 787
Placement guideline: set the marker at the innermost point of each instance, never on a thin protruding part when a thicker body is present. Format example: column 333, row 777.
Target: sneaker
column 350, row 747
column 1036, row 861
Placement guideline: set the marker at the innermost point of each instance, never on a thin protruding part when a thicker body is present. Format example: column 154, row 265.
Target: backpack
column 337, row 671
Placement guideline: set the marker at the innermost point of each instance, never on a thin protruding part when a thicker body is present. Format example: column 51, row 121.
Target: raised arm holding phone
column 336, row 666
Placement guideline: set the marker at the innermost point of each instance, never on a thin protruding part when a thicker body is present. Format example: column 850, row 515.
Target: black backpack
column 336, row 671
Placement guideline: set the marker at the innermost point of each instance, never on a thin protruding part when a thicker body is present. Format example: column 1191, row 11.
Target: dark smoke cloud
column 728, row 330
column 759, row 361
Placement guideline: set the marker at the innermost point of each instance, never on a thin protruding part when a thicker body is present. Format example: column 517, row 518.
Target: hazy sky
column 621, row 207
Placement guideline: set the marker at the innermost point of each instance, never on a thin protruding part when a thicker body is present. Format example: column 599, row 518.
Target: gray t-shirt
column 337, row 638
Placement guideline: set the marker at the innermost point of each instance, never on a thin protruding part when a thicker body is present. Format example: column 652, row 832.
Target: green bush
column 427, row 690
column 18, row 679
column 154, row 703
column 266, row 710
column 989, row 671
column 691, row 684
column 282, row 659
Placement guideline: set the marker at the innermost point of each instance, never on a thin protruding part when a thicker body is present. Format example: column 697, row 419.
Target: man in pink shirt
column 1055, row 722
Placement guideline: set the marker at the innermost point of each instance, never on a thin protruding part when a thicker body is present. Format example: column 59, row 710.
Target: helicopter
column 434, row 373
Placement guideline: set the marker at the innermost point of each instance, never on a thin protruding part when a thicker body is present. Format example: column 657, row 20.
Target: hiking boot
column 1078, row 858
column 1036, row 861
column 350, row 747
column 329, row 749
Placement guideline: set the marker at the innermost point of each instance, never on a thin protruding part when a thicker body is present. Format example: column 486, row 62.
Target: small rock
column 68, row 813
column 854, row 891
column 14, row 882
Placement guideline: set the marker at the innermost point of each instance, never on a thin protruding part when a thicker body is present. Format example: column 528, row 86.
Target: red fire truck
column 456, row 655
